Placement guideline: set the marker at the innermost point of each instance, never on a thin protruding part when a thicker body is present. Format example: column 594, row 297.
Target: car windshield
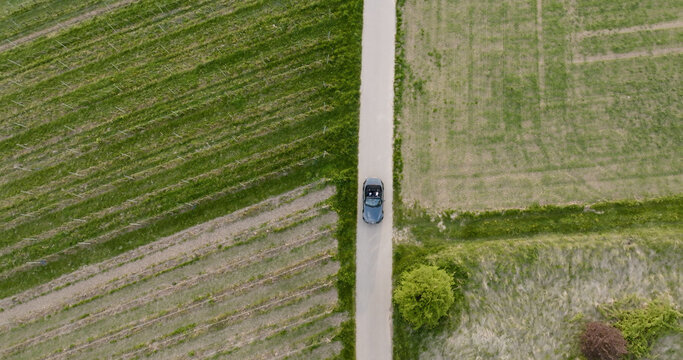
column 373, row 202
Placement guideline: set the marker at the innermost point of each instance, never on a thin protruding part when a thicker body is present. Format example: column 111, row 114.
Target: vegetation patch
column 642, row 322
column 424, row 295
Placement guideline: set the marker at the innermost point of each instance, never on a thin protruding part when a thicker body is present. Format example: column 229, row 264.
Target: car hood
column 373, row 214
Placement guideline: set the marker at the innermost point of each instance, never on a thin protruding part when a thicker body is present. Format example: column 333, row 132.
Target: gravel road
column 373, row 242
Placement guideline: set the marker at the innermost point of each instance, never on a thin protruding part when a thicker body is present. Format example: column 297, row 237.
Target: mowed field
column 124, row 122
column 506, row 104
column 527, row 298
column 255, row 284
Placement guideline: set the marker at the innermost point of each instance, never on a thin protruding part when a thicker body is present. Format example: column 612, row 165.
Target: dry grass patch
column 527, row 298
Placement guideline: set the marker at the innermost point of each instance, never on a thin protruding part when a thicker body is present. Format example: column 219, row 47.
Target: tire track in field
column 244, row 312
column 175, row 245
column 649, row 27
column 64, row 24
column 130, row 203
column 628, row 55
column 539, row 49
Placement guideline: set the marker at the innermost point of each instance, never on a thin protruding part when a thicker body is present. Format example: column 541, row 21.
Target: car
column 373, row 200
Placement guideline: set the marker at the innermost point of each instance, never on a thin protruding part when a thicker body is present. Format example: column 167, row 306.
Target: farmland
column 156, row 156
column 258, row 283
column 155, row 116
column 537, row 158
column 509, row 104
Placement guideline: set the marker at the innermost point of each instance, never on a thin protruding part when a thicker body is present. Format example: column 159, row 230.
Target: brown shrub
column 602, row 342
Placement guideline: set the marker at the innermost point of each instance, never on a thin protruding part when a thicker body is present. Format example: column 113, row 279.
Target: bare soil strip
column 160, row 251
column 64, row 24
column 651, row 27
column 629, row 55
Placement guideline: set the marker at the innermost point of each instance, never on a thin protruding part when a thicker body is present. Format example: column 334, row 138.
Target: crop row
column 240, row 247
column 123, row 26
column 157, row 205
column 98, row 187
column 32, row 16
column 50, row 196
column 232, row 219
column 143, row 64
column 104, row 100
column 251, row 289
column 147, row 185
column 39, row 177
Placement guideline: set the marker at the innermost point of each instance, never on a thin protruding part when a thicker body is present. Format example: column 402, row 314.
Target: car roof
column 373, row 181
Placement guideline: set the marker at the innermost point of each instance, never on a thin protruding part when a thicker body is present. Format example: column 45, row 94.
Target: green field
column 509, row 104
column 158, row 115
column 125, row 123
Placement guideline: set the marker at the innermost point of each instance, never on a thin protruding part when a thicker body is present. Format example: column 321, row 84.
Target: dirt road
column 373, row 246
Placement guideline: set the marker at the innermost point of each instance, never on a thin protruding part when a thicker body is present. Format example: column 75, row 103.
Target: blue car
column 373, row 199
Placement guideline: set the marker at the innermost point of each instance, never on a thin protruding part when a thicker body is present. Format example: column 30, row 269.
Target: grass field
column 153, row 116
column 506, row 104
column 527, row 297
column 258, row 284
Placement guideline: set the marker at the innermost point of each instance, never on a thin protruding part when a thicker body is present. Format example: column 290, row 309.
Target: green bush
column 642, row 324
column 424, row 295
